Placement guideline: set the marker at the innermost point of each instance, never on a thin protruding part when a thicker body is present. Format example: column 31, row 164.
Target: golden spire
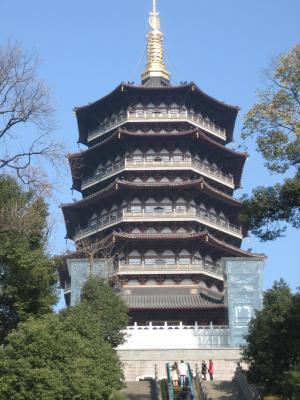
column 155, row 66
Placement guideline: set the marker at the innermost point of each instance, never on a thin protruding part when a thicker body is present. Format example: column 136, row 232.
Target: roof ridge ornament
column 155, row 67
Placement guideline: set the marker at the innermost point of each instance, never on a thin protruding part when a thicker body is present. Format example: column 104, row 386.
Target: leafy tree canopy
column 274, row 122
column 273, row 344
column 45, row 360
column 27, row 274
column 101, row 308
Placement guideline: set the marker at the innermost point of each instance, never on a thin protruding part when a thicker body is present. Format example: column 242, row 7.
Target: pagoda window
column 174, row 108
column 178, row 179
column 137, row 155
column 150, row 154
column 151, row 230
column 181, row 230
column 157, row 158
column 137, row 179
column 184, row 260
column 136, row 207
column 159, row 209
column 139, row 110
column 151, row 179
column 134, row 260
column 136, row 230
column 170, row 260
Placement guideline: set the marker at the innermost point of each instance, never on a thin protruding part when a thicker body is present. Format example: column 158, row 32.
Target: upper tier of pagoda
column 129, row 104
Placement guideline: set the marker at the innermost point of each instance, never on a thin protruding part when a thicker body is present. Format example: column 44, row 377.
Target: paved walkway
column 223, row 390
column 142, row 390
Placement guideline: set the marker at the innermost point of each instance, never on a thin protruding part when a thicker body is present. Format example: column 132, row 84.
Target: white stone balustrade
column 175, row 337
column 132, row 165
column 210, row 268
column 167, row 116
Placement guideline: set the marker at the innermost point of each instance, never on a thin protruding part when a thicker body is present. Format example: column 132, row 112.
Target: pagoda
column 157, row 181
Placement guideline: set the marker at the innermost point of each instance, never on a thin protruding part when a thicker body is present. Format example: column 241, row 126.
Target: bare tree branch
column 25, row 105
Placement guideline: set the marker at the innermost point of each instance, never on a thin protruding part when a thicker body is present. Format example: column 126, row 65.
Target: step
column 141, row 390
column 223, row 390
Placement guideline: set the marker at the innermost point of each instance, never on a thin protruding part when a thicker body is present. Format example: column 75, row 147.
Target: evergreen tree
column 273, row 345
column 27, row 274
column 68, row 355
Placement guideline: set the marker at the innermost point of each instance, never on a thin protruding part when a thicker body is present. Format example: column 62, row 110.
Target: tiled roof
column 200, row 184
column 176, row 302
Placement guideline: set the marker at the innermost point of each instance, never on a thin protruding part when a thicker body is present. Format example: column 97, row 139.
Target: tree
column 274, row 122
column 44, row 360
column 27, row 274
column 26, row 118
column 273, row 346
column 68, row 355
column 103, row 309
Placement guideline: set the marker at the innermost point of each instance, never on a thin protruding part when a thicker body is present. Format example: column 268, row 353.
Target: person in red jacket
column 211, row 370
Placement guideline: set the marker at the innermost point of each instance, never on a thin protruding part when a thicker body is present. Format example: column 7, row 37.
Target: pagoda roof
column 204, row 237
column 170, row 302
column 226, row 113
column 199, row 184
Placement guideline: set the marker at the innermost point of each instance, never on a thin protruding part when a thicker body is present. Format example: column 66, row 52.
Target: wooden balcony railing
column 167, row 116
column 128, row 164
column 204, row 217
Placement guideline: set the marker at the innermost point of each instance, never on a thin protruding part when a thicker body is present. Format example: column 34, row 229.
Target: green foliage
column 100, row 312
column 275, row 119
column 27, row 274
column 271, row 205
column 45, row 360
column 273, row 345
column 274, row 122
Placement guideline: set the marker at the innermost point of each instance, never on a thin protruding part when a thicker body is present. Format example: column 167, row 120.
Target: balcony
column 187, row 164
column 210, row 269
column 202, row 216
column 167, row 116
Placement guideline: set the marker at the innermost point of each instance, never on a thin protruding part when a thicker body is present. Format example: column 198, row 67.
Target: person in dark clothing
column 204, row 370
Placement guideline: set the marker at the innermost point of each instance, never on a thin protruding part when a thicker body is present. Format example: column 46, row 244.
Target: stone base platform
column 139, row 364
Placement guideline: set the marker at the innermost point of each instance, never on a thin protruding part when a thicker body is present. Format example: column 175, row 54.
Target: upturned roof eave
column 114, row 186
column 125, row 86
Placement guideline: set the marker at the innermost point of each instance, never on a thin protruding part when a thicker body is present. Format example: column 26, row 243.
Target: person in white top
column 183, row 371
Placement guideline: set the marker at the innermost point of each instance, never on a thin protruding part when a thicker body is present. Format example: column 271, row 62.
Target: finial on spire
column 155, row 67
column 154, row 7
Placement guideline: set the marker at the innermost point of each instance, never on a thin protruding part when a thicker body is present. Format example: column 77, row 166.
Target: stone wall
column 143, row 363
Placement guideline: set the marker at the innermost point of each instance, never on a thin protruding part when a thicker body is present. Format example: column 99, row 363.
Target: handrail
column 190, row 382
column 119, row 165
column 250, row 392
column 169, row 382
column 163, row 117
column 121, row 214
column 199, row 266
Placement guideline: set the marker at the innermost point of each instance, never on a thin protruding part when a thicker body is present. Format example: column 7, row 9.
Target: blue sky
column 89, row 47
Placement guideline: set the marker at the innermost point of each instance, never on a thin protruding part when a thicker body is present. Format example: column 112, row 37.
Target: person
column 204, row 370
column 211, row 370
column 183, row 369
column 175, row 374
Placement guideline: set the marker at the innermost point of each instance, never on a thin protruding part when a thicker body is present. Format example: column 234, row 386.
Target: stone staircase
column 223, row 390
column 141, row 390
